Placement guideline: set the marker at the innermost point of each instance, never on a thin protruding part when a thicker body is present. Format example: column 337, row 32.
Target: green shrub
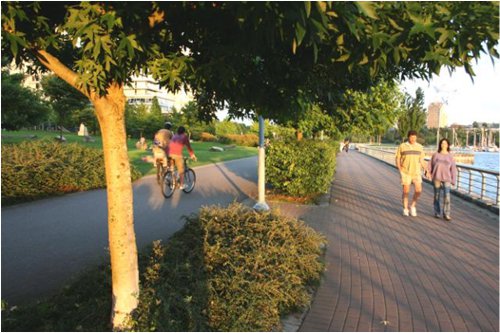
column 228, row 269
column 259, row 267
column 32, row 170
column 248, row 140
column 195, row 135
column 300, row 168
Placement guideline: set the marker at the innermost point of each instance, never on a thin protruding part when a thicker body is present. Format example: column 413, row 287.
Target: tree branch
column 60, row 70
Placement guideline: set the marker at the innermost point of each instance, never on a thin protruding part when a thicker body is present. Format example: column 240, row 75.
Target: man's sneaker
column 406, row 212
column 183, row 186
column 413, row 211
column 436, row 215
column 447, row 218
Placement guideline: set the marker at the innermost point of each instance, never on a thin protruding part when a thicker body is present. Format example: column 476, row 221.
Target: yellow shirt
column 163, row 137
column 410, row 156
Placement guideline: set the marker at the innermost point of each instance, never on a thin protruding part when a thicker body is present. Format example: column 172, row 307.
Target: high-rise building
column 436, row 115
column 143, row 89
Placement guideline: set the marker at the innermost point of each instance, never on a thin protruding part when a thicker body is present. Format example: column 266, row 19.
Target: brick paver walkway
column 394, row 273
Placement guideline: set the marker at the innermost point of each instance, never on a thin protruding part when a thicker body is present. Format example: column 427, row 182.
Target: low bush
column 300, row 168
column 32, row 170
column 207, row 137
column 228, row 269
column 195, row 135
column 249, row 140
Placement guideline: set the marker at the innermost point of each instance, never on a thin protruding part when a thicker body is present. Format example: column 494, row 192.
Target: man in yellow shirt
column 410, row 162
column 160, row 144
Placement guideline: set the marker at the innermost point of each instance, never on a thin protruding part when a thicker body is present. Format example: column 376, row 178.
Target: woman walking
column 443, row 173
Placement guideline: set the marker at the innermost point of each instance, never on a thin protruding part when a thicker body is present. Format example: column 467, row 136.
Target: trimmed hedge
column 33, row 170
column 249, row 140
column 300, row 168
column 207, row 137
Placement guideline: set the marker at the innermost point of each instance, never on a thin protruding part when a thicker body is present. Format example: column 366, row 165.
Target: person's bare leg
column 180, row 169
column 181, row 176
column 406, row 191
column 416, row 195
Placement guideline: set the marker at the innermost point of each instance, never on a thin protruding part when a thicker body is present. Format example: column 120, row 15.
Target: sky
column 467, row 101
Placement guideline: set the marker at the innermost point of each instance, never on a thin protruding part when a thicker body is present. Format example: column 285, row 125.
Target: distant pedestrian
column 443, row 172
column 410, row 162
column 346, row 146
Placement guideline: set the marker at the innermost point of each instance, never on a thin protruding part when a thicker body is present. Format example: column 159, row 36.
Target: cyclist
column 175, row 148
column 160, row 143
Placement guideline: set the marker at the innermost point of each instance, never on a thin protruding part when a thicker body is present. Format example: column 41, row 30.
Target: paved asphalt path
column 47, row 242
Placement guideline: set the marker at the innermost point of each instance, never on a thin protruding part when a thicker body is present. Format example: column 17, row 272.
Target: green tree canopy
column 155, row 119
column 86, row 116
column 63, row 98
column 189, row 117
column 371, row 112
column 155, row 108
column 21, row 107
column 413, row 115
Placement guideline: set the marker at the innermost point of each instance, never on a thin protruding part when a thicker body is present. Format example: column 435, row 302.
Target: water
column 488, row 161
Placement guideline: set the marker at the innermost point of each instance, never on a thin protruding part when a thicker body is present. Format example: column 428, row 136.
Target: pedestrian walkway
column 387, row 272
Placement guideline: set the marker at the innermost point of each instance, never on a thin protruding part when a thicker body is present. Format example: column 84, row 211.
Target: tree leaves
column 296, row 42
column 412, row 116
column 367, row 8
column 307, row 5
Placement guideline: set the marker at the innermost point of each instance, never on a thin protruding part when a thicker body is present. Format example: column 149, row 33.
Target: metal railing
column 477, row 183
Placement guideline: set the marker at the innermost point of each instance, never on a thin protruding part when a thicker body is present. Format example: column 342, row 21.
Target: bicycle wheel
column 168, row 185
column 189, row 180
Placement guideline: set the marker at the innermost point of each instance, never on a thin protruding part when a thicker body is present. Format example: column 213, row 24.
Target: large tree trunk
column 110, row 111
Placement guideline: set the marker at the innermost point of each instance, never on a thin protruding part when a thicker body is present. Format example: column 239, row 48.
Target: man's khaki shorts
column 407, row 179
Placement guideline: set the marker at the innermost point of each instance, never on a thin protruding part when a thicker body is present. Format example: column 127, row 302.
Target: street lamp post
column 261, row 204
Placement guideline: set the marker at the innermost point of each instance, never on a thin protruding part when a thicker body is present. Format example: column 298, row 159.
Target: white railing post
column 498, row 191
column 483, row 185
column 470, row 181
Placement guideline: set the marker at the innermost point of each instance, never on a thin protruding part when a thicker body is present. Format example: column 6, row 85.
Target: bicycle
column 171, row 179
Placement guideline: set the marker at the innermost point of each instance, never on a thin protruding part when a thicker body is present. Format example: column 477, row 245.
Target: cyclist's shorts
column 179, row 163
column 159, row 154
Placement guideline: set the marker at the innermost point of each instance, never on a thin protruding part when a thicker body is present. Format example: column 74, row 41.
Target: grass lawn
column 201, row 149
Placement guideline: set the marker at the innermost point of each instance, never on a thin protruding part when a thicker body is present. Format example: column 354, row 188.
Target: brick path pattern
column 387, row 272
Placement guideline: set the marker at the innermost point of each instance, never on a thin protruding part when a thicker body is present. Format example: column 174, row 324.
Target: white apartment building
column 143, row 89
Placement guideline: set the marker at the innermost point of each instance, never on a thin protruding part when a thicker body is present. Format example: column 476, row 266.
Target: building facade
column 143, row 89
column 436, row 115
